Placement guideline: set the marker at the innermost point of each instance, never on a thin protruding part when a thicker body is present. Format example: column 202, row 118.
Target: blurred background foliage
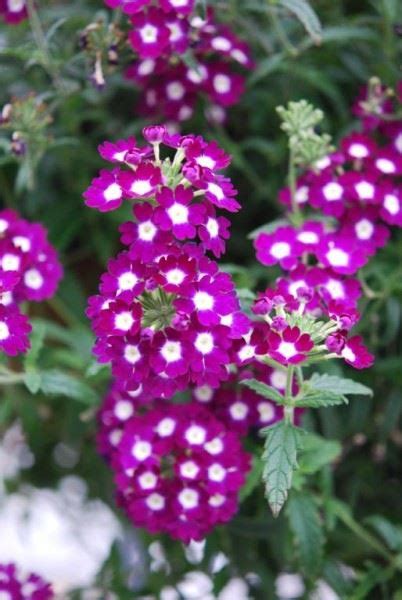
column 324, row 53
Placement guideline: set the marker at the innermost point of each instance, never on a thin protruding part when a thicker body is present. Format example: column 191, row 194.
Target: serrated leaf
column 338, row 385
column 321, row 399
column 58, row 383
column 280, row 460
column 305, row 523
column 264, row 390
column 306, row 15
column 317, row 452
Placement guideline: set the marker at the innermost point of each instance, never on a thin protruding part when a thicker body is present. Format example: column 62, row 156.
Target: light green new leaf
column 280, row 460
column 305, row 523
column 306, row 15
column 58, row 383
column 315, row 399
column 266, row 391
column 337, row 385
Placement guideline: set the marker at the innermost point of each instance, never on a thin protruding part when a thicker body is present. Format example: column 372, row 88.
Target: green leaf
column 306, row 15
column 305, row 523
column 337, row 385
column 368, row 581
column 390, row 533
column 267, row 228
column 317, row 452
column 266, row 391
column 280, row 460
column 58, row 383
column 321, row 399
column 32, row 380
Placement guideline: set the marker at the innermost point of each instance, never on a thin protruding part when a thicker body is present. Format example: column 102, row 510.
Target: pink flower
column 224, row 86
column 117, row 152
column 142, row 182
column 182, row 7
column 341, row 253
column 290, row 346
column 391, row 208
column 176, row 213
column 213, row 232
column 327, row 193
column 13, row 11
column 105, row 192
column 128, row 6
column 356, row 354
column 150, row 35
column 14, row 330
column 14, row 585
column 279, row 247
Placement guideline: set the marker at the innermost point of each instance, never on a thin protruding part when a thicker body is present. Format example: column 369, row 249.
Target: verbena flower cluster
column 13, row 11
column 357, row 194
column 180, row 56
column 14, row 586
column 29, row 271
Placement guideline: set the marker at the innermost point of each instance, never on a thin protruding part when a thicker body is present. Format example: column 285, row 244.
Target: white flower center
column 332, row 191
column 203, row 301
column 146, row 231
column 287, row 349
column 348, row 354
column 216, row 472
column 358, row 151
column 337, row 257
column 365, row 190
column 227, row 320
column 205, row 161
column 239, row 55
column 123, row 410
column 178, row 213
column 195, row 435
column 147, row 480
column 189, row 469
column 216, row 500
column 171, row 351
column 166, row 427
column 221, row 43
column 266, row 411
column 124, row 321
column 15, row 6
column 149, row 34
column 141, row 187
column 214, row 447
column 33, row 279
column 398, row 142
column 146, row 67
column 132, row 354
column 178, row 3
column 10, row 262
column 212, row 227
column 4, row 331
column 141, row 450
column 22, row 242
column 6, row 298
column 302, row 194
column 222, row 83
column 215, row 190
column 5, row 596
column 295, row 286
column 204, row 393
column 198, row 74
column 391, row 203
column 120, row 156
column 335, row 289
column 112, row 192
column 175, row 32
column 280, row 250
column 127, row 281
column 322, row 163
column 115, row 436
column 364, row 229
column 238, row 411
column 385, row 165
column 175, row 276
column 246, row 352
column 188, row 498
column 308, row 237
column 3, row 225
column 278, row 379
column 175, row 90
column 155, row 501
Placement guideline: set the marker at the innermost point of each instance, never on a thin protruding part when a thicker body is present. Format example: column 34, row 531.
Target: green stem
column 290, row 401
column 41, row 42
column 364, row 535
column 281, row 33
column 293, row 189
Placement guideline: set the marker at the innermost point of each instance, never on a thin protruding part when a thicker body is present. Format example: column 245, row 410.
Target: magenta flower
column 358, row 146
column 219, row 191
column 127, row 6
column 118, row 152
column 341, row 253
column 105, row 192
column 14, row 330
column 280, row 247
column 175, row 274
column 327, row 193
column 290, row 346
column 356, row 354
column 150, row 35
column 391, row 206
column 13, row 11
column 124, row 279
column 206, row 155
column 142, row 182
column 224, row 86
column 362, row 187
column 213, row 232
column 176, row 213
column 14, row 585
column 119, row 319
column 182, row 7
column 309, row 235
column 363, row 224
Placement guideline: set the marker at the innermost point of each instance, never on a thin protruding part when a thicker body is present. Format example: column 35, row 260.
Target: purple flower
column 176, row 213
column 142, row 182
column 150, row 35
column 105, row 192
column 14, row 330
column 290, row 346
column 280, row 247
column 14, row 585
column 13, row 11
column 341, row 253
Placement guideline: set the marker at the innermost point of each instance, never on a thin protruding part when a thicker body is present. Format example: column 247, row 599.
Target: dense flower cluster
column 162, row 35
column 13, row 11
column 29, row 271
column 178, row 470
column 15, row 587
column 357, row 191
